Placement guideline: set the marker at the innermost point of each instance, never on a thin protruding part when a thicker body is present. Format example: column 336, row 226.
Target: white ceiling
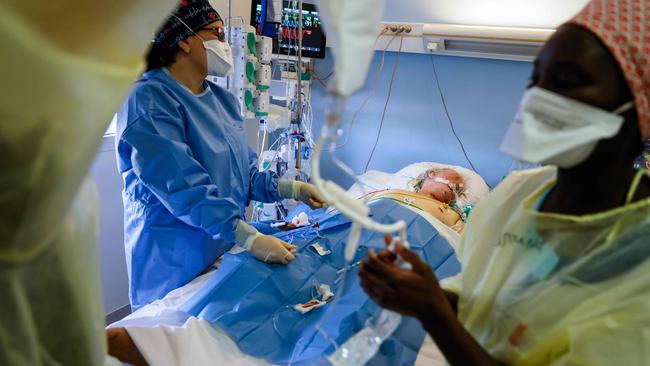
column 513, row 13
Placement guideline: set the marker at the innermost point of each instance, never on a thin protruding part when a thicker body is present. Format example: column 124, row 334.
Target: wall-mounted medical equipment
column 285, row 32
column 286, row 108
column 251, row 80
column 503, row 43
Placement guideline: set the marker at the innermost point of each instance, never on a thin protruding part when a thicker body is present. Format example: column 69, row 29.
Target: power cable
column 371, row 93
column 328, row 76
column 451, row 123
column 383, row 115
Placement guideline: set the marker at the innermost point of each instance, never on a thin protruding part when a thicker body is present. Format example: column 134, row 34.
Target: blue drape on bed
column 253, row 301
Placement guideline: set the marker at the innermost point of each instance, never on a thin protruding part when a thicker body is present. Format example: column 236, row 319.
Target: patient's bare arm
column 122, row 347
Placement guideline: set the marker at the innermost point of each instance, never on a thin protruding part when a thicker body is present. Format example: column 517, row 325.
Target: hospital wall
column 239, row 8
column 111, row 237
column 481, row 96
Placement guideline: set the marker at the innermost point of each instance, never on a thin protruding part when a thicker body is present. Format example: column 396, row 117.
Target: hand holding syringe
column 390, row 255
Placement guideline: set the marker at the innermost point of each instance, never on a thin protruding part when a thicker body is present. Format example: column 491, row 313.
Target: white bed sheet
column 167, row 336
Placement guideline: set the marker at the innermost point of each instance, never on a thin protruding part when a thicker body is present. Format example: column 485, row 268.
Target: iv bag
column 363, row 346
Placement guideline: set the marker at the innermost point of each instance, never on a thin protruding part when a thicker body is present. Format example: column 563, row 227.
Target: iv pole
column 229, row 36
column 299, row 88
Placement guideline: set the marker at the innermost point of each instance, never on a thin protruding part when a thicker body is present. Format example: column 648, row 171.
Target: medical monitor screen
column 313, row 36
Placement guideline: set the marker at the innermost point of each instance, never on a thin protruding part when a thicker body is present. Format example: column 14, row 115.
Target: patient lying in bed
column 434, row 193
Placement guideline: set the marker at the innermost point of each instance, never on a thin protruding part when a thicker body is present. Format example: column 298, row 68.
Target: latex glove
column 266, row 248
column 303, row 192
column 270, row 249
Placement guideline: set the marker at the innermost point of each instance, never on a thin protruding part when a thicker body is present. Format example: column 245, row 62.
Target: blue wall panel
column 482, row 97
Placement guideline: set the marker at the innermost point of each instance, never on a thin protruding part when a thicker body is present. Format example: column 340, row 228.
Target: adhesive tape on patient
column 453, row 187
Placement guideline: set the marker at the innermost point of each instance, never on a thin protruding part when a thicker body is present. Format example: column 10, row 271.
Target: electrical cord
column 383, row 115
column 328, row 76
column 451, row 123
column 371, row 93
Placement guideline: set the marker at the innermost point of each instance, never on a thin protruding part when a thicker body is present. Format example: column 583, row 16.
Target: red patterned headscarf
column 188, row 17
column 624, row 26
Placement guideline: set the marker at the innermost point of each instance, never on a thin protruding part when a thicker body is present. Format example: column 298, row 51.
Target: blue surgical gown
column 188, row 174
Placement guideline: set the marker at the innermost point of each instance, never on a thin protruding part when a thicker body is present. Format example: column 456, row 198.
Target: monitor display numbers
column 309, row 18
column 289, row 17
column 313, row 37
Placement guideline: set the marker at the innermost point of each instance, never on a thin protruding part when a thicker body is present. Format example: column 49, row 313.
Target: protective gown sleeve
column 63, row 84
column 264, row 185
column 166, row 166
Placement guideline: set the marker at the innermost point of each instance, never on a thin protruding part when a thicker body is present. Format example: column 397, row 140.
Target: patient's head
column 455, row 180
column 440, row 184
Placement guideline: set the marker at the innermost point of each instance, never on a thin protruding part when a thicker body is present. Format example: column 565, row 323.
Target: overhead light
column 505, row 43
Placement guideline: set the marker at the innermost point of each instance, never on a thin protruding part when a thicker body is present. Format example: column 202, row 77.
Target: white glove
column 266, row 248
column 270, row 249
column 301, row 191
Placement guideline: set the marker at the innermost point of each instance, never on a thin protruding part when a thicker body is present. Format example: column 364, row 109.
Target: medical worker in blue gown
column 188, row 171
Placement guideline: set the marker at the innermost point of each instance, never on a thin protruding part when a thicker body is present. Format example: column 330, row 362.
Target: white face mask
column 552, row 129
column 220, row 60
column 219, row 55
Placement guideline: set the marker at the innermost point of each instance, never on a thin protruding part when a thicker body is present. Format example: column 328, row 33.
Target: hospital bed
column 253, row 317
